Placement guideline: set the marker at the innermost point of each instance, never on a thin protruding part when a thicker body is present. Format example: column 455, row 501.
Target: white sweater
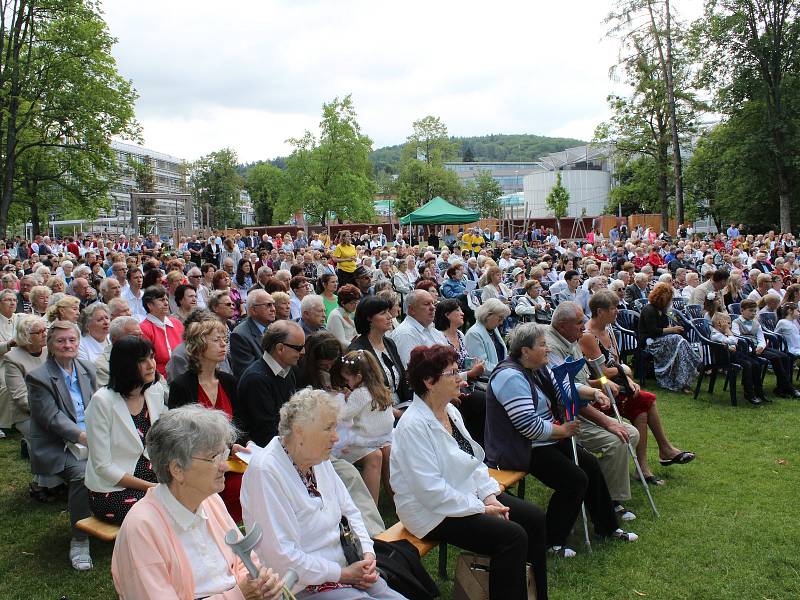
column 368, row 426
column 791, row 333
column 300, row 532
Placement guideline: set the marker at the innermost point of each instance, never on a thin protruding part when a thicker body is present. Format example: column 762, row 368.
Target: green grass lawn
column 728, row 526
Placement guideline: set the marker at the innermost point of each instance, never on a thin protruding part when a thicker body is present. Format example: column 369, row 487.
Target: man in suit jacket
column 245, row 348
column 58, row 394
column 637, row 290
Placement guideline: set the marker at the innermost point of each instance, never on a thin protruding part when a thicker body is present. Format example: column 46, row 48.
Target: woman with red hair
column 443, row 489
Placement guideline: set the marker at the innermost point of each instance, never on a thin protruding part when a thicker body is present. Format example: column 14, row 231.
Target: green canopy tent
column 440, row 212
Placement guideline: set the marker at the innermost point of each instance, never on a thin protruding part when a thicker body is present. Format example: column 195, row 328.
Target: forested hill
column 521, row 147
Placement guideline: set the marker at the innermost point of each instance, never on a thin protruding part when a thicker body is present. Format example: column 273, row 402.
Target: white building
column 586, row 173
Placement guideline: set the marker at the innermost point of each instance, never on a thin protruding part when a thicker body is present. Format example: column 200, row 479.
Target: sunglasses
column 295, row 347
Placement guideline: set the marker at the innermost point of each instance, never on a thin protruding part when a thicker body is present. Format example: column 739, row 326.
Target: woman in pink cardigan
column 171, row 545
column 163, row 331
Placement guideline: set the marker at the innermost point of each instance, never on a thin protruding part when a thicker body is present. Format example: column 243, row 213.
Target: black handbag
column 400, row 565
column 351, row 545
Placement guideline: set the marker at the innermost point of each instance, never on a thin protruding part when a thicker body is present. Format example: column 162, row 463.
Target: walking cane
column 569, row 369
column 596, row 365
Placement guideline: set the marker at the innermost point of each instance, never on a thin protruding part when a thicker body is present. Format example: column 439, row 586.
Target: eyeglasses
column 194, row 276
column 295, row 347
column 218, row 459
column 262, row 304
column 453, row 373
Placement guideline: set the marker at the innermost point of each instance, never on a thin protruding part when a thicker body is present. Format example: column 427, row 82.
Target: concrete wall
column 587, row 189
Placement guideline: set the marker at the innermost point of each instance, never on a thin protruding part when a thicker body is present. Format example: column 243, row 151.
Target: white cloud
column 248, row 74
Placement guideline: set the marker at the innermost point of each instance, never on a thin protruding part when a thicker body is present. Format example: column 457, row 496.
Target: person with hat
column 362, row 278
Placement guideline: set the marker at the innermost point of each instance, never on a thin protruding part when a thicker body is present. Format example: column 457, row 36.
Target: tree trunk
column 35, row 220
column 663, row 194
column 665, row 59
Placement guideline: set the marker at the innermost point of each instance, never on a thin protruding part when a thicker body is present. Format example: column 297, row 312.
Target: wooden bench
column 99, row 529
column 506, row 479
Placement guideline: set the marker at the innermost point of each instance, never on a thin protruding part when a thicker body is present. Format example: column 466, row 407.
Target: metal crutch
column 596, row 365
column 569, row 369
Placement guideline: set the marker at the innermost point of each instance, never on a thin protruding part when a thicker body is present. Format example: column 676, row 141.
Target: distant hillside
column 515, row 147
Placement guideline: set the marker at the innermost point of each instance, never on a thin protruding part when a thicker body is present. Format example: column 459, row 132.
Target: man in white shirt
column 133, row 293
column 417, row 328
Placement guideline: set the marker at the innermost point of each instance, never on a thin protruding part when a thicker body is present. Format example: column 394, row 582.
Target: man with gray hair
column 118, row 307
column 194, row 277
column 312, row 314
column 268, row 383
column 599, row 433
column 637, row 290
column 417, row 328
column 119, row 328
column 109, row 289
column 245, row 341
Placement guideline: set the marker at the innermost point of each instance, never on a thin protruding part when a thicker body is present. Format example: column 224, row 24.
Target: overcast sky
column 250, row 74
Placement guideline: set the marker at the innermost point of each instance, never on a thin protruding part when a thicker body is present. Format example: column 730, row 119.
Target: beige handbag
column 472, row 578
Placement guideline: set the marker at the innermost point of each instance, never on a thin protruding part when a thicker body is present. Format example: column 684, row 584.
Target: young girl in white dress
column 366, row 420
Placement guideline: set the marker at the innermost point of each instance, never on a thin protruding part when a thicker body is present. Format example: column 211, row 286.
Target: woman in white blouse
column 94, row 322
column 293, row 492
column 443, row 489
column 341, row 320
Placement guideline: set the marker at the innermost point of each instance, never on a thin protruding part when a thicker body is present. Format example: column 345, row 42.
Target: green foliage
column 265, row 183
column 467, row 155
column 557, row 201
column 331, row 175
column 214, row 181
column 62, row 100
column 750, row 52
column 482, row 194
column 143, row 175
column 516, row 147
column 731, row 174
column 422, row 172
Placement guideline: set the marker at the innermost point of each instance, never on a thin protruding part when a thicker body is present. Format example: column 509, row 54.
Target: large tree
column 59, row 92
column 751, row 52
column 216, row 185
column 483, row 193
column 265, row 183
column 423, row 175
column 331, row 175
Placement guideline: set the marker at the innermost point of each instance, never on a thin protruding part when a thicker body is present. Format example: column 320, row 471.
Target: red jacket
column 163, row 344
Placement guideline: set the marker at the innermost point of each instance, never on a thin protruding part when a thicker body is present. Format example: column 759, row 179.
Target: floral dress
column 114, row 506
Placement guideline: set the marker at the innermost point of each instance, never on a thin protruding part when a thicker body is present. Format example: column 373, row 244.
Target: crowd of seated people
column 360, row 366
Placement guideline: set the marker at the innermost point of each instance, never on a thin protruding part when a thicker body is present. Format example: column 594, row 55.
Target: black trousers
column 343, row 277
column 782, row 365
column 751, row 373
column 509, row 543
column 554, row 466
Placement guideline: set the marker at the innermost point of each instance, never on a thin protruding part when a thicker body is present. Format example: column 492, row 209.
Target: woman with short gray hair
column 172, row 542
column 483, row 339
column 292, row 490
column 94, row 322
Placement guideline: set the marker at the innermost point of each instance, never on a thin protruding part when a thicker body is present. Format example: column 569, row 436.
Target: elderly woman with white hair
column 40, row 298
column 483, row 339
column 291, row 489
column 172, row 542
column 94, row 322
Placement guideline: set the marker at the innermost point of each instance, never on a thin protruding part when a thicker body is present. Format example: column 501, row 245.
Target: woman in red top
column 655, row 259
column 205, row 384
column 163, row 331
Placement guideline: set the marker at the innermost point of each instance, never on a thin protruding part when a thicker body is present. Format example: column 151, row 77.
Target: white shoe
column 2, row 434
column 79, row 555
column 625, row 536
column 623, row 513
column 562, row 551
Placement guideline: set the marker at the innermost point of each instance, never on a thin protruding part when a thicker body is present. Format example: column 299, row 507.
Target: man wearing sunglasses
column 268, row 383
column 246, row 337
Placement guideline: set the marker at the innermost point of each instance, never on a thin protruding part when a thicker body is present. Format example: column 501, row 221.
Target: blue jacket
column 452, row 288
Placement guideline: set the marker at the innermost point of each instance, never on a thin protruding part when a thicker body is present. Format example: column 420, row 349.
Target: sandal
column 681, row 458
column 653, row 480
column 79, row 555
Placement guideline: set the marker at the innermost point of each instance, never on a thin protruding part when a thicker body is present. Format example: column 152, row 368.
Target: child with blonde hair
column 366, row 419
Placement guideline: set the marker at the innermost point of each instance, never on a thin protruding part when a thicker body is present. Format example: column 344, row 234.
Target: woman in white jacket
column 443, row 489
column 118, row 472
column 292, row 491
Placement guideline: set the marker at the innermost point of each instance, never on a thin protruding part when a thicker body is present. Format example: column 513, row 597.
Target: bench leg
column 443, row 560
column 521, row 489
